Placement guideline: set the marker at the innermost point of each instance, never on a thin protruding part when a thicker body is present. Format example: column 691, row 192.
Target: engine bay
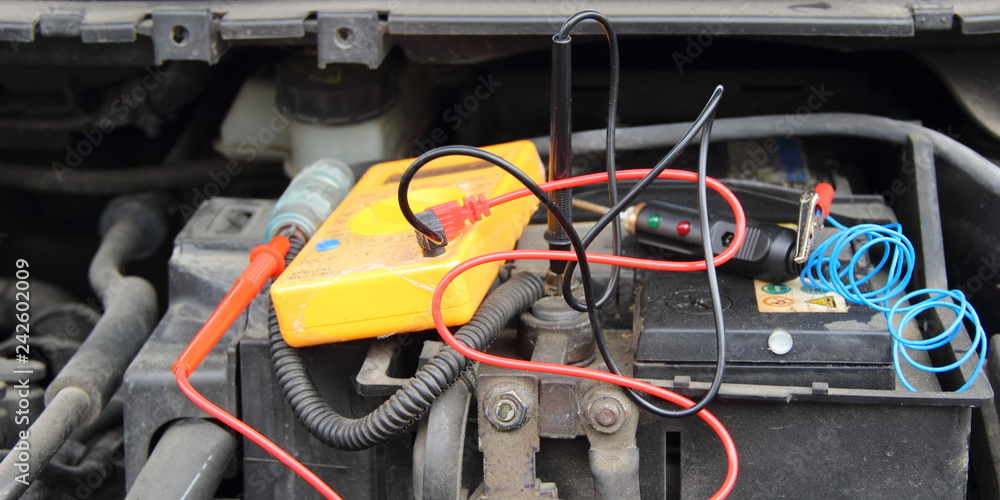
column 449, row 250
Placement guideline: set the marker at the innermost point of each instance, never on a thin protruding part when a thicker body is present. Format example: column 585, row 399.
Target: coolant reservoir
column 304, row 114
column 343, row 111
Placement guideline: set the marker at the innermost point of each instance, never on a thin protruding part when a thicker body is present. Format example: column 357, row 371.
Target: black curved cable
column 417, row 394
column 707, row 114
column 613, row 90
column 704, row 119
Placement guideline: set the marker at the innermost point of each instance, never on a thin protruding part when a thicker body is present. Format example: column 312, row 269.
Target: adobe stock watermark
column 989, row 271
column 696, row 44
column 759, row 155
column 563, row 10
column 17, row 38
column 118, row 112
column 248, row 151
column 87, row 485
column 456, row 115
column 908, row 168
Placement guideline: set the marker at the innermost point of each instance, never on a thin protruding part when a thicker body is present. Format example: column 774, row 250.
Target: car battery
column 784, row 334
column 776, row 333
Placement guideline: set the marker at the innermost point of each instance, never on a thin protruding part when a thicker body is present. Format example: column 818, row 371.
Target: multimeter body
column 363, row 274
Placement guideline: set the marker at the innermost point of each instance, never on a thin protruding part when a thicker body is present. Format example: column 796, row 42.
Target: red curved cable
column 266, row 261
column 573, row 371
column 252, row 434
column 732, row 456
column 680, row 175
column 583, row 180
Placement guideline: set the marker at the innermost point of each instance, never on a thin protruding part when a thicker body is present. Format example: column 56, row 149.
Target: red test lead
column 732, row 457
column 266, row 262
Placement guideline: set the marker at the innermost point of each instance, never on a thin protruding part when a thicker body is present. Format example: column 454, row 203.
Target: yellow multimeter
column 363, row 274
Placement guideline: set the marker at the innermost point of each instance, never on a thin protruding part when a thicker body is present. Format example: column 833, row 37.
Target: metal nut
column 607, row 414
column 506, row 410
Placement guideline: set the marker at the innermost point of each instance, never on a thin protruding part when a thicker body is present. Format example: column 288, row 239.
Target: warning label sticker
column 794, row 297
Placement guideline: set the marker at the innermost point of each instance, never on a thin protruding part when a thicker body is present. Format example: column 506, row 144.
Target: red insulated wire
column 266, row 261
column 683, row 175
column 573, row 371
column 728, row 444
column 252, row 434
column 583, row 180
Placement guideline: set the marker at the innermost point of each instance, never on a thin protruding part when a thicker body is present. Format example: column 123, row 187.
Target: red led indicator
column 683, row 228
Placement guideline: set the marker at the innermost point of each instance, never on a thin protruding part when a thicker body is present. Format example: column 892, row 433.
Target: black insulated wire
column 417, row 395
column 704, row 123
column 407, row 177
column 707, row 114
column 561, row 127
column 700, row 124
column 713, row 278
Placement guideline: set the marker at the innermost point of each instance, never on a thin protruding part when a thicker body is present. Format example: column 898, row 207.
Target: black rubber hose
column 111, row 181
column 878, row 128
column 189, row 462
column 27, row 459
column 130, row 227
column 417, row 394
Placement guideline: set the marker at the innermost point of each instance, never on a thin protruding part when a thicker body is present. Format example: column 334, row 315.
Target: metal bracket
column 932, row 16
column 351, row 38
column 187, row 35
column 60, row 23
column 612, row 421
column 17, row 32
column 556, row 393
column 262, row 29
column 509, row 453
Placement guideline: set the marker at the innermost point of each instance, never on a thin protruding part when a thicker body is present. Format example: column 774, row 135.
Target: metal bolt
column 607, row 417
column 506, row 409
column 607, row 414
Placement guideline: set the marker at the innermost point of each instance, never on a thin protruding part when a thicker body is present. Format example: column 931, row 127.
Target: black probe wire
column 713, row 277
column 563, row 35
column 703, row 123
column 612, row 215
column 574, row 237
column 479, row 154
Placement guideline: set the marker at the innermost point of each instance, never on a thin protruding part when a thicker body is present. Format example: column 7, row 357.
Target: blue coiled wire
column 824, row 270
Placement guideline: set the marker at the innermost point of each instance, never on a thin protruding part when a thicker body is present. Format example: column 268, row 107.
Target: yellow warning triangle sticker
column 825, row 301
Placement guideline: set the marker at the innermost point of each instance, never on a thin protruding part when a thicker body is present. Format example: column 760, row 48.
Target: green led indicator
column 653, row 221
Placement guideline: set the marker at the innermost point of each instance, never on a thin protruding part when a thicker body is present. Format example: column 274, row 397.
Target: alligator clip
column 814, row 206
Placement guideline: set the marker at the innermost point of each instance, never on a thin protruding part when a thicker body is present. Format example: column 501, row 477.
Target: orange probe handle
column 266, row 262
